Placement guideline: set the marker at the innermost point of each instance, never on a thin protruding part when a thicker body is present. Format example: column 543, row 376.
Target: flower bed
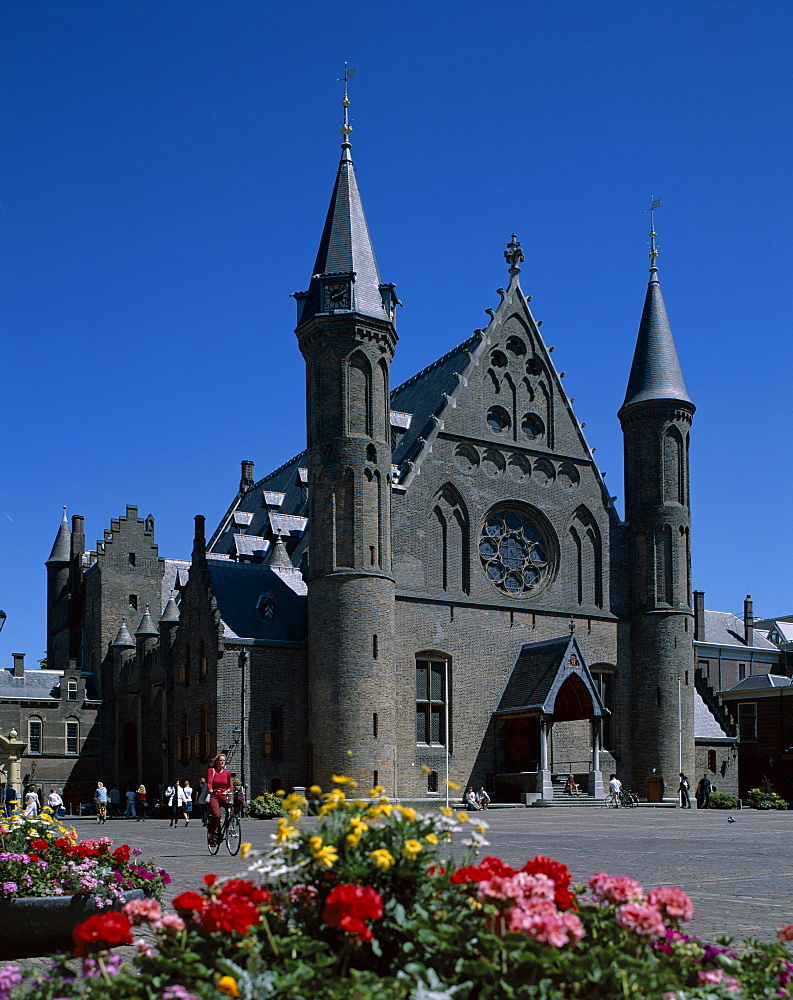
column 362, row 906
column 42, row 857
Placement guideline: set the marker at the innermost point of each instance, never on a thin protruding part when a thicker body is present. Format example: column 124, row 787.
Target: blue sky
column 166, row 171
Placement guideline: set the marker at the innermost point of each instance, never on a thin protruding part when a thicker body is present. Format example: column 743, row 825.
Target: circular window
column 516, row 347
column 498, row 359
column 497, row 419
column 532, row 426
column 515, row 551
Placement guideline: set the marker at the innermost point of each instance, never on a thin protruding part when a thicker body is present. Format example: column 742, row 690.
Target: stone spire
column 345, row 276
column 655, row 372
column 123, row 639
column 62, row 548
column 171, row 612
column 147, row 626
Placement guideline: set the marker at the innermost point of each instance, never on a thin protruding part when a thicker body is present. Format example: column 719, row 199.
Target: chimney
column 19, row 664
column 699, row 615
column 78, row 536
column 748, row 621
column 199, row 540
column 246, row 479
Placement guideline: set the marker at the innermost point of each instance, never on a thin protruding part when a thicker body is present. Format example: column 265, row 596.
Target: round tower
column 58, row 577
column 346, row 333
column 656, row 420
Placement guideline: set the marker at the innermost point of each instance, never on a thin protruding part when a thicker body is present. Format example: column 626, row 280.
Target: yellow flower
column 407, row 812
column 295, row 801
column 462, row 817
column 295, row 814
column 323, row 854
column 425, row 769
column 284, row 831
column 280, row 793
column 452, row 785
column 381, row 809
column 376, row 792
column 432, row 838
column 334, row 795
column 474, row 903
column 315, row 790
column 339, row 779
column 412, row 849
column 358, row 826
column 383, row 859
column 447, row 811
column 228, row 985
column 352, row 839
column 245, row 850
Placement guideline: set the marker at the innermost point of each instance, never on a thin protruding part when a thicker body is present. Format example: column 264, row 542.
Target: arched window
column 345, row 519
column 711, row 760
column 432, row 781
column 359, row 395
column 603, row 676
column 72, row 736
column 674, row 486
column 71, row 689
column 371, row 517
column 448, row 542
column 585, row 559
column 433, row 685
column 327, row 409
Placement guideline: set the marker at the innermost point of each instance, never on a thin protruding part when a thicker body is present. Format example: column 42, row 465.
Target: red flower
column 103, row 930
column 489, row 868
column 189, row 902
column 122, row 853
column 232, row 913
column 33, row 857
column 349, row 905
column 241, row 887
column 558, row 873
column 209, row 879
column 786, row 933
column 39, row 845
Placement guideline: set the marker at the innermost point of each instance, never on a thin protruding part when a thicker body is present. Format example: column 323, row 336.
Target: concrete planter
column 38, row 925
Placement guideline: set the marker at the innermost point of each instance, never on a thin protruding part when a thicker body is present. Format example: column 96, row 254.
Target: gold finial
column 346, row 128
column 654, row 203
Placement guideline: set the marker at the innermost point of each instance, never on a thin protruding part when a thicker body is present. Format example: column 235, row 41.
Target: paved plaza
column 739, row 875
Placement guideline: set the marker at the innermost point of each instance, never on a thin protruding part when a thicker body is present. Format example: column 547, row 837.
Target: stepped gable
column 256, row 604
column 706, row 725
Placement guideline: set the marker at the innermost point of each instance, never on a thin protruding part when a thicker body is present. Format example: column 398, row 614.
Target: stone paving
column 739, row 875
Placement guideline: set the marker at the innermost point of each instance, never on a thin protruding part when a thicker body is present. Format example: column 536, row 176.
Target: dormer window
column 266, row 606
column 71, row 689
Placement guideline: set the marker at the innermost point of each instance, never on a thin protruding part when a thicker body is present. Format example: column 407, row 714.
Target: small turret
column 58, row 590
column 62, row 547
column 123, row 639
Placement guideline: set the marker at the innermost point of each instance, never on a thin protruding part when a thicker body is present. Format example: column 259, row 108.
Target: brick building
column 441, row 576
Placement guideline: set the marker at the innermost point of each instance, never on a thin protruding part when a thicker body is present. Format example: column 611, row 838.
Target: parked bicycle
column 229, row 831
column 627, row 799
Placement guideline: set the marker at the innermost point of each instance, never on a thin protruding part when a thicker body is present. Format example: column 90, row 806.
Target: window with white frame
column 71, row 689
column 72, row 736
column 34, row 736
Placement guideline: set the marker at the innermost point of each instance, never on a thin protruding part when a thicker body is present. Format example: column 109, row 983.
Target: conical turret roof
column 62, row 548
column 123, row 639
column 147, row 626
column 655, row 372
column 171, row 612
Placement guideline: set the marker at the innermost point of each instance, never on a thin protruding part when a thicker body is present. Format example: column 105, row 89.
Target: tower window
column 371, row 453
column 711, row 760
column 431, row 701
column 34, row 736
column 131, row 558
column 133, row 602
column 374, row 724
column 741, row 671
column 375, row 779
column 375, row 647
column 71, row 690
column 432, row 781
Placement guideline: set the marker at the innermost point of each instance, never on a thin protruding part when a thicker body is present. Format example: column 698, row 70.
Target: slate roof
column 345, row 247
column 785, row 629
column 655, row 371
column 238, row 588
column 174, row 577
column 759, row 682
column 62, row 546
column 538, row 673
column 39, row 685
column 723, row 628
column 706, row 725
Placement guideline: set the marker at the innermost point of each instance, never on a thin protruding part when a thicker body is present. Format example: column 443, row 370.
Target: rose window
column 515, row 552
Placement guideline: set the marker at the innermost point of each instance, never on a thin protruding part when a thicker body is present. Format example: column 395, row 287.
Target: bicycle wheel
column 233, row 836
column 213, row 848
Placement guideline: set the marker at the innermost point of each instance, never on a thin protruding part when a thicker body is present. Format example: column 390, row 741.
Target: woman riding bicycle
column 219, row 786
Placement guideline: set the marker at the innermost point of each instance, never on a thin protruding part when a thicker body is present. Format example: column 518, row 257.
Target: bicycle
column 613, row 801
column 228, row 831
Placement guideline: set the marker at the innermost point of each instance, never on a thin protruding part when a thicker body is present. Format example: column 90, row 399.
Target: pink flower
column 641, row 919
column 614, row 889
column 142, row 911
column 170, row 924
column 542, row 922
column 518, row 888
column 144, row 948
column 672, row 903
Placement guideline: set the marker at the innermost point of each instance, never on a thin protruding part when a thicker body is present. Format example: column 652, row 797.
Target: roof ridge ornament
column 653, row 254
column 513, row 255
column 346, row 128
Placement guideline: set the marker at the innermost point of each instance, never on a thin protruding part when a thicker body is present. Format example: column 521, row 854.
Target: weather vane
column 346, row 128
column 654, row 203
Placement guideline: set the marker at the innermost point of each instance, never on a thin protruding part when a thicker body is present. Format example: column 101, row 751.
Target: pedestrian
column 141, row 803
column 11, row 799
column 130, row 813
column 203, row 801
column 683, row 787
column 31, row 802
column 115, row 800
column 170, row 800
column 55, row 802
column 469, row 800
column 703, row 791
column 239, row 797
column 482, row 798
column 100, row 802
column 188, row 801
column 615, row 787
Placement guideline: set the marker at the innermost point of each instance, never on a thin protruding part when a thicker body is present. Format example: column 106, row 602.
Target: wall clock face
column 336, row 297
